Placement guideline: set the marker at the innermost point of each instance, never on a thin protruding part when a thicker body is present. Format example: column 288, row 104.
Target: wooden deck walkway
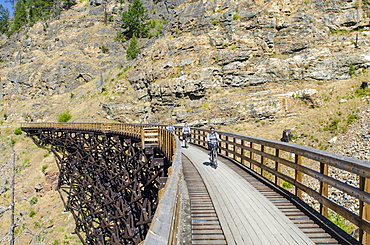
column 246, row 216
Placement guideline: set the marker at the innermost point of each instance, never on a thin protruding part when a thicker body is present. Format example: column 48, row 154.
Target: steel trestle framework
column 109, row 182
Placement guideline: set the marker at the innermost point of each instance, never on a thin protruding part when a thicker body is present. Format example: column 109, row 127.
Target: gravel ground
column 355, row 143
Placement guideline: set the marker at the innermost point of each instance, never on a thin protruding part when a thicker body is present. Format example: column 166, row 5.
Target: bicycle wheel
column 215, row 157
column 211, row 157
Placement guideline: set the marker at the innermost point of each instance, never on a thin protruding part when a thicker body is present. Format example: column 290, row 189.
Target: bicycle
column 213, row 154
column 185, row 138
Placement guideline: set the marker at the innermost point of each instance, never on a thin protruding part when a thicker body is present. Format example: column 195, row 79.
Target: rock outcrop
column 205, row 47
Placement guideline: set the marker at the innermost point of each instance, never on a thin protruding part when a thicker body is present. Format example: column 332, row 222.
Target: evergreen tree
column 20, row 16
column 135, row 19
column 133, row 49
column 4, row 19
column 39, row 9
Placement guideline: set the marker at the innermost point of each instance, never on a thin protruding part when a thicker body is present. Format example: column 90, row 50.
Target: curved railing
column 306, row 172
column 309, row 174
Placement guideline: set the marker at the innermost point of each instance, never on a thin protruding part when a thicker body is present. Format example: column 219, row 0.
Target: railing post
column 324, row 189
column 204, row 138
column 227, row 146
column 242, row 151
column 364, row 237
column 251, row 156
column 234, row 148
column 298, row 176
column 263, row 161
column 277, row 168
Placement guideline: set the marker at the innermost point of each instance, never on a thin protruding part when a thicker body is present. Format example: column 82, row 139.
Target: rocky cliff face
column 235, row 56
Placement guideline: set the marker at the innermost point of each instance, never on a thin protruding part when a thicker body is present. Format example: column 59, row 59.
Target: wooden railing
column 310, row 174
column 306, row 172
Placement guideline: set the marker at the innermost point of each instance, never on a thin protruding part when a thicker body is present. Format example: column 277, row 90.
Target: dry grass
column 311, row 126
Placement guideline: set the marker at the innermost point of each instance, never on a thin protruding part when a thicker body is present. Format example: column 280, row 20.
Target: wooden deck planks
column 206, row 228
column 246, row 216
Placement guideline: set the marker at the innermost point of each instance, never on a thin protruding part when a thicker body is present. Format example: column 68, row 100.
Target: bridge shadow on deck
column 248, row 211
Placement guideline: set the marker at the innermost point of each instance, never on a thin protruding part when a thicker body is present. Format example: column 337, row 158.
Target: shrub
column 104, row 49
column 18, row 131
column 341, row 222
column 333, row 126
column 32, row 213
column 216, row 22
column 156, row 27
column 235, row 17
column 362, row 92
column 33, row 200
column 352, row 70
column 287, row 185
column 64, row 116
column 43, row 168
column 351, row 118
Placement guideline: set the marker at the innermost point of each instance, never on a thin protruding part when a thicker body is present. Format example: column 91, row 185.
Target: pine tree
column 20, row 16
column 4, row 19
column 135, row 19
column 39, row 9
column 133, row 49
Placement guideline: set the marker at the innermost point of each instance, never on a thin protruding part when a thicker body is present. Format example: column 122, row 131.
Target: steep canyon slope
column 206, row 48
column 255, row 67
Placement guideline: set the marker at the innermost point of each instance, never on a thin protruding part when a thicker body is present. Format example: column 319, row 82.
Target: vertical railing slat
column 324, row 189
column 298, row 176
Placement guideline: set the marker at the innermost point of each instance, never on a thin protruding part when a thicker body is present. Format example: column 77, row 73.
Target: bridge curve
column 275, row 162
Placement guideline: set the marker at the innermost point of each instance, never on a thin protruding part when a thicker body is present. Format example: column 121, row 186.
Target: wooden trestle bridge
column 131, row 184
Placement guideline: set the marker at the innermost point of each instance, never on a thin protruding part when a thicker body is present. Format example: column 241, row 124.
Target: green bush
column 104, row 49
column 287, row 185
column 341, row 222
column 352, row 70
column 362, row 92
column 333, row 126
column 33, row 200
column 18, row 131
column 351, row 118
column 156, row 27
column 64, row 116
column 43, row 168
column 216, row 22
column 32, row 213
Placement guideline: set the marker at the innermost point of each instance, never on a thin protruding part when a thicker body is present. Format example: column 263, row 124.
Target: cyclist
column 185, row 134
column 213, row 138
